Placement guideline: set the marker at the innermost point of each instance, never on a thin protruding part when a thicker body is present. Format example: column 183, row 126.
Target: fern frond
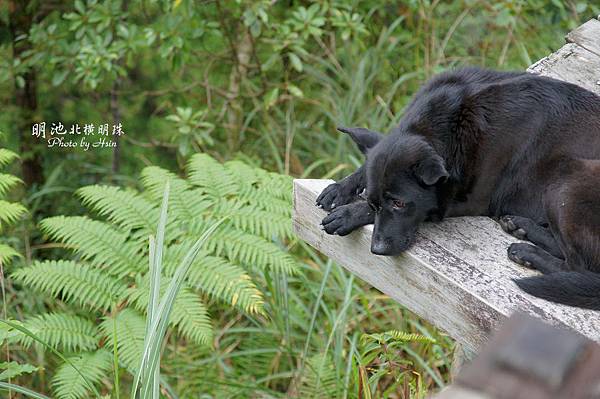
column 278, row 186
column 7, row 254
column 130, row 330
column 243, row 173
column 68, row 384
column 247, row 249
column 256, row 221
column 261, row 199
column 98, row 242
column 319, row 378
column 62, row 331
column 214, row 179
column 123, row 207
column 396, row 336
column 189, row 315
column 218, row 278
column 7, row 182
column 186, row 203
column 10, row 212
column 7, row 156
column 73, row 282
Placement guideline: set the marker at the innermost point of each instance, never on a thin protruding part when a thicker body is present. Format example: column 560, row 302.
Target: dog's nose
column 379, row 248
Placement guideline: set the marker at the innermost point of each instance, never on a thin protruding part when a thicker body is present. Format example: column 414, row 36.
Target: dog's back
column 505, row 134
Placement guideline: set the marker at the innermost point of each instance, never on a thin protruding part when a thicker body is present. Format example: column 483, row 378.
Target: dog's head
column 403, row 171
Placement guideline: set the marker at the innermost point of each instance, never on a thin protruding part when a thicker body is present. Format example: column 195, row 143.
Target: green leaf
column 13, row 369
column 271, row 98
column 296, row 62
column 59, row 77
column 295, row 90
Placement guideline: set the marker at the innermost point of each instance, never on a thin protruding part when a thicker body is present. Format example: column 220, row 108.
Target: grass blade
column 57, row 353
column 22, row 390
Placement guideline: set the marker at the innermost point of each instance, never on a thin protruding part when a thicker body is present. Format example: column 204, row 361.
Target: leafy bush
column 107, row 284
column 10, row 212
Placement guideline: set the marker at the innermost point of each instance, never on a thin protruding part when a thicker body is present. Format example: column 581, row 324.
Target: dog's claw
column 517, row 252
column 508, row 224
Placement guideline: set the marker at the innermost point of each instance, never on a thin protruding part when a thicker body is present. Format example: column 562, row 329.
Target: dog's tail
column 569, row 288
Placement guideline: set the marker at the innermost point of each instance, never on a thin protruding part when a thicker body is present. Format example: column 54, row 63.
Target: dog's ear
column 431, row 170
column 364, row 138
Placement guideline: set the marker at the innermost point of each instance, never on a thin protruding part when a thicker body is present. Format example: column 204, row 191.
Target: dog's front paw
column 335, row 195
column 521, row 253
column 514, row 225
column 340, row 221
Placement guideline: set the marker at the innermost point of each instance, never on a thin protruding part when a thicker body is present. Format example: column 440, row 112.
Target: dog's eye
column 398, row 204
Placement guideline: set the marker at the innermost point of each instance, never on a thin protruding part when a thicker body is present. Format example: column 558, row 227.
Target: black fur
column 515, row 146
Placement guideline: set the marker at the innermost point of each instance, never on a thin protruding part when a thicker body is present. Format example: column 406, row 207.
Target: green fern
column 189, row 315
column 218, row 278
column 110, row 267
column 208, row 174
column 319, row 378
column 246, row 249
column 7, row 253
column 395, row 336
column 97, row 242
column 7, row 156
column 7, row 182
column 69, row 384
column 184, row 201
column 130, row 327
column 72, row 282
column 126, row 208
column 62, row 331
column 10, row 212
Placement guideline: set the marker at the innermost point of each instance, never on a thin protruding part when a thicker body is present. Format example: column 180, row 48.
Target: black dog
column 519, row 147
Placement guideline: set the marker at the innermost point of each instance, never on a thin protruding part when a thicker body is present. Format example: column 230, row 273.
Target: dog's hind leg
column 534, row 257
column 343, row 192
column 527, row 229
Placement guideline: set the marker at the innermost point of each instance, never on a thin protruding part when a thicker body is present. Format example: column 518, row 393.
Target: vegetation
column 226, row 101
column 10, row 212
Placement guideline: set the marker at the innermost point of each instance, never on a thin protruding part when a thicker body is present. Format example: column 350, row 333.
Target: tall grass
column 147, row 378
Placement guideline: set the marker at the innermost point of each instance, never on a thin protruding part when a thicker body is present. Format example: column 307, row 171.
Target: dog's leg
column 343, row 192
column 527, row 229
column 346, row 218
column 536, row 258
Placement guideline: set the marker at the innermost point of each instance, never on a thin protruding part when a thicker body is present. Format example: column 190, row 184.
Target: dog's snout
column 380, row 248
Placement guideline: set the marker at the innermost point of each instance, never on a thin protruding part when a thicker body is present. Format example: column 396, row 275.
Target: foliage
column 271, row 78
column 159, row 308
column 386, row 360
column 109, row 271
column 10, row 212
column 263, row 82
